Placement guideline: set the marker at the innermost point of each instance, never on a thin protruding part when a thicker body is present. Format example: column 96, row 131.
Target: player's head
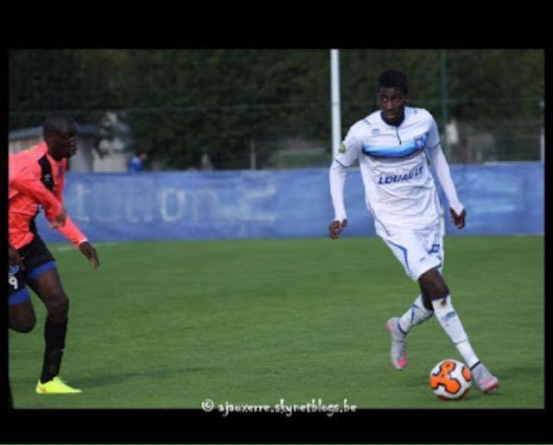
column 392, row 95
column 60, row 134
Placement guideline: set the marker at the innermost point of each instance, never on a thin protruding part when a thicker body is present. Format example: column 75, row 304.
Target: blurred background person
column 137, row 162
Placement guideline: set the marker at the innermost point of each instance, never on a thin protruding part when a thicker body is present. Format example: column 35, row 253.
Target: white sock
column 451, row 324
column 416, row 315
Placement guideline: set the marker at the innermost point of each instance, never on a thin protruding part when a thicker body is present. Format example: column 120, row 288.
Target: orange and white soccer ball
column 450, row 379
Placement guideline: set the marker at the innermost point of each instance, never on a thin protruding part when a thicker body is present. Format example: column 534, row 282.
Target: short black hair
column 393, row 79
column 57, row 122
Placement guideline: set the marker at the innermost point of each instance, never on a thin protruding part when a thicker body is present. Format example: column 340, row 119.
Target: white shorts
column 417, row 250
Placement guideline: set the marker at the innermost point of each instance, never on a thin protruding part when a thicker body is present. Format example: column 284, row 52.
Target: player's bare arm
column 90, row 253
column 458, row 220
column 336, row 227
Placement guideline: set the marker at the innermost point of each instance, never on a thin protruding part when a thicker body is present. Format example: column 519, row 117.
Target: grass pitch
column 172, row 324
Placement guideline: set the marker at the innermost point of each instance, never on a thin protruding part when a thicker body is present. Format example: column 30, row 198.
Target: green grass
column 168, row 325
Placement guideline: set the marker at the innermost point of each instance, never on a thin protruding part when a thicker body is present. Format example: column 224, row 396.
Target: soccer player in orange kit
column 36, row 177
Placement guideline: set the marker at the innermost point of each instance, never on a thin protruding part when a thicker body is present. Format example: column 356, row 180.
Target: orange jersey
column 36, row 179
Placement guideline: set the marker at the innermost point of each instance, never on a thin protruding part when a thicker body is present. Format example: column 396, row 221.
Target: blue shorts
column 37, row 260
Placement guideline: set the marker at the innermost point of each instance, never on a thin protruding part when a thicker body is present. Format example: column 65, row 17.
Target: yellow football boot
column 55, row 386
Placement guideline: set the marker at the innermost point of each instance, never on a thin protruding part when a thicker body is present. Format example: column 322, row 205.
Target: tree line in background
column 180, row 104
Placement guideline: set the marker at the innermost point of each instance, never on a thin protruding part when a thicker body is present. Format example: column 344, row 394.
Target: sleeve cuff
column 457, row 207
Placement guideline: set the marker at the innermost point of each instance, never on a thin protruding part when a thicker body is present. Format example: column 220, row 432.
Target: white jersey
column 399, row 188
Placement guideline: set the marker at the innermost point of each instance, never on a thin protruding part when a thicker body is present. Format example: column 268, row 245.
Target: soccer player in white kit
column 393, row 147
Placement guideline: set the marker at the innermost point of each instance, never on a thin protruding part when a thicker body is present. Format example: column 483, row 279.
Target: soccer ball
column 450, row 379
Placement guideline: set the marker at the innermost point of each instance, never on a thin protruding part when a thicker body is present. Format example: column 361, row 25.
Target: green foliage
column 219, row 102
column 183, row 103
column 498, row 83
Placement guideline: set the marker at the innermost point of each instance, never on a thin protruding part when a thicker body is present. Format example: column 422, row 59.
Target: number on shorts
column 13, row 281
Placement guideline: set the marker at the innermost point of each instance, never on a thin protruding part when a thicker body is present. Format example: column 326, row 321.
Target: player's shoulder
column 419, row 113
column 367, row 123
column 372, row 119
column 22, row 157
column 33, row 152
column 27, row 158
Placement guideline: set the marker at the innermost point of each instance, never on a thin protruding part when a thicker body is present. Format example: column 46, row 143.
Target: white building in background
column 83, row 161
column 100, row 149
column 110, row 155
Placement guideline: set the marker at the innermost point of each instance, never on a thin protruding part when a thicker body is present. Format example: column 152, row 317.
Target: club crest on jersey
column 342, row 148
column 13, row 269
column 375, row 131
column 420, row 142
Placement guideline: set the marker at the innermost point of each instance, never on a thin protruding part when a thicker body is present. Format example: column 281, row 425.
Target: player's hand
column 59, row 220
column 90, row 252
column 458, row 220
column 14, row 258
column 336, row 227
